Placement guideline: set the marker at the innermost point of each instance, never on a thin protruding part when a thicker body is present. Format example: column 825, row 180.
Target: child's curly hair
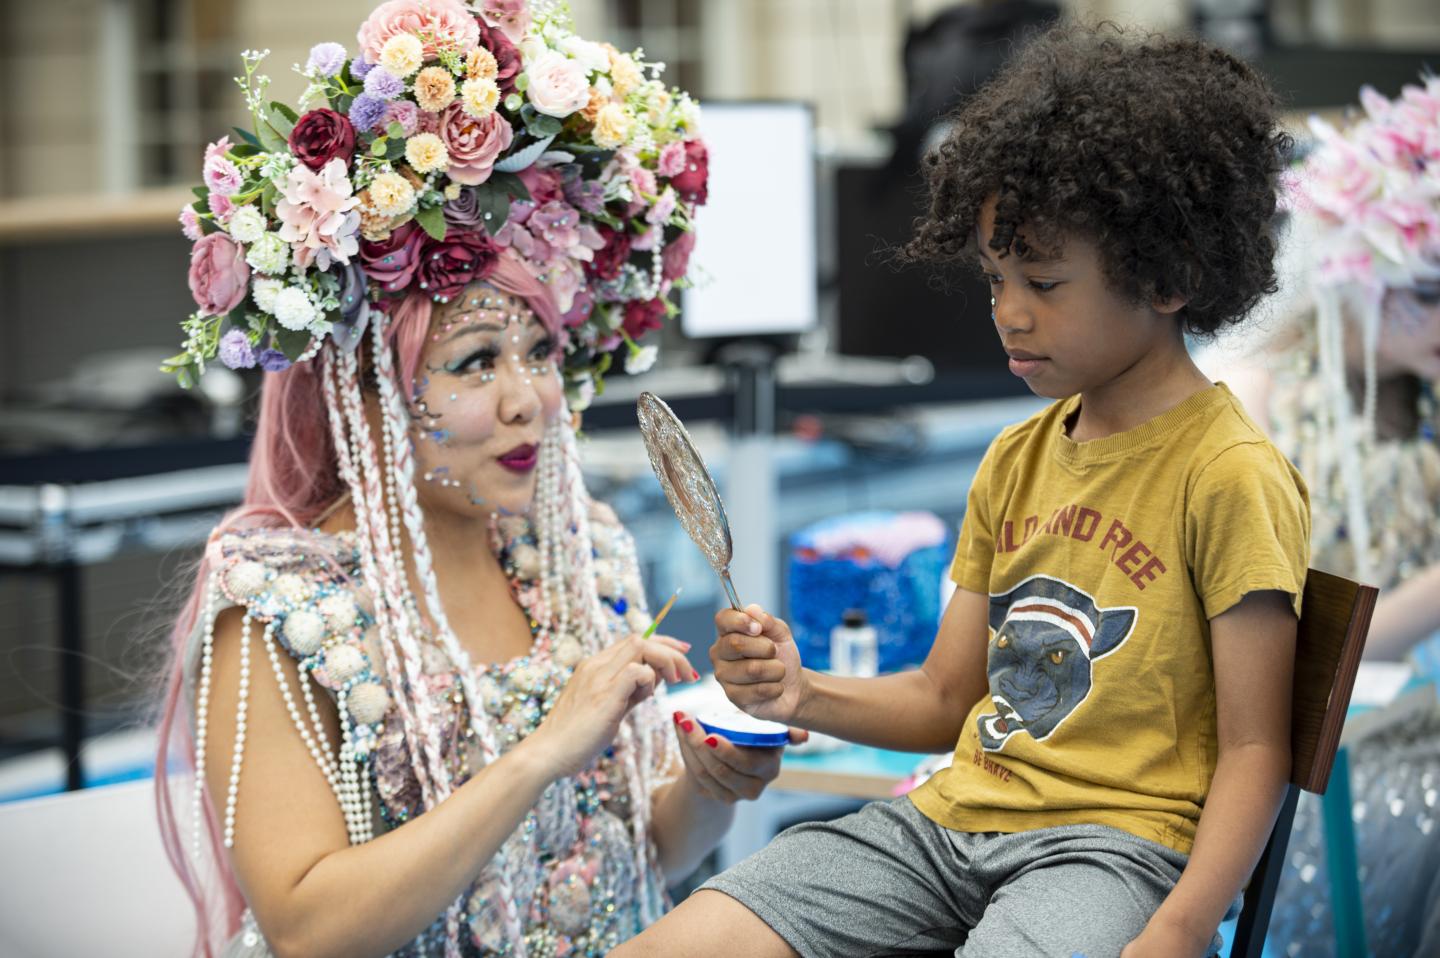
column 1165, row 152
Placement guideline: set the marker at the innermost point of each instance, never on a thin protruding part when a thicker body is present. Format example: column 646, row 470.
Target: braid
column 400, row 472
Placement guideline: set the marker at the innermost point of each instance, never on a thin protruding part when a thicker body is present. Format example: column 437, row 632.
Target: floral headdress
column 456, row 135
column 1372, row 189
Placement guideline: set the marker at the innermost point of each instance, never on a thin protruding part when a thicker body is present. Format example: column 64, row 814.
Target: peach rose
column 438, row 24
column 475, row 143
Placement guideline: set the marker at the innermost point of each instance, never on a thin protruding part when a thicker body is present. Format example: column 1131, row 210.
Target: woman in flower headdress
column 410, row 675
column 1347, row 391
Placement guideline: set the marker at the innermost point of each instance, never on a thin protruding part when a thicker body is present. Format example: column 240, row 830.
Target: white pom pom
column 512, row 527
column 245, row 579
column 344, row 662
column 291, row 588
column 304, row 631
column 527, row 560
column 339, row 612
column 368, row 703
column 606, row 581
column 568, row 652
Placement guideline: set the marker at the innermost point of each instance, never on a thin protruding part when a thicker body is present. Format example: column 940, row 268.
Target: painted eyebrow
column 533, row 321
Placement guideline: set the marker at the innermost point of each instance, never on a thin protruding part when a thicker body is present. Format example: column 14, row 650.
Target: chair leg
column 1260, row 893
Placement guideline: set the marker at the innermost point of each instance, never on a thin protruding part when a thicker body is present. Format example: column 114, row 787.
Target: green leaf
column 378, row 147
column 494, row 205
column 291, row 342
column 544, row 125
column 394, row 130
column 247, row 136
column 511, row 184
column 208, row 226
column 341, row 104
column 271, row 140
column 394, row 149
column 268, row 198
column 432, row 221
column 201, row 191
column 286, row 111
column 281, row 119
column 244, row 149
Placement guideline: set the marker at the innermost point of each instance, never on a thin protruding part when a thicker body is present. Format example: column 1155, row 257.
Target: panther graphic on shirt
column 1045, row 637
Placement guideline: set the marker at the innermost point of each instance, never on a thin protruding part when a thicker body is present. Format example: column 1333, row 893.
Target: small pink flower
column 318, row 215
column 221, row 206
column 675, row 259
column 217, row 149
column 438, row 24
column 406, row 113
column 664, row 206
column 558, row 84
column 672, row 159
column 218, row 275
column 511, row 16
column 222, row 176
column 190, row 223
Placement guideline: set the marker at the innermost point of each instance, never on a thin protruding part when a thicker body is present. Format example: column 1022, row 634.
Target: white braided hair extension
column 566, row 534
column 400, row 470
column 1339, row 438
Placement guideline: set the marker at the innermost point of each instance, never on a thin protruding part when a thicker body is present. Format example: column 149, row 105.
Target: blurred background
column 878, row 391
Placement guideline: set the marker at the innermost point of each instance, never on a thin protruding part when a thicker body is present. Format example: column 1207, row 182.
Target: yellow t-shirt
column 1104, row 562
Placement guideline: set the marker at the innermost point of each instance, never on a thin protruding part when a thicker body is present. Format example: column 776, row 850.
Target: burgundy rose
column 693, row 181
column 507, row 58
column 393, row 262
column 320, row 136
column 610, row 257
column 675, row 258
column 219, row 277
column 641, row 316
column 447, row 267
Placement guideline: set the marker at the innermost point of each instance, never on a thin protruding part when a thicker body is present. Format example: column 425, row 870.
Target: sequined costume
column 1395, row 772
column 579, row 883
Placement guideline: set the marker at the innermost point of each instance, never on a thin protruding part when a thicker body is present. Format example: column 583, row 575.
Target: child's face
column 1064, row 329
column 487, row 388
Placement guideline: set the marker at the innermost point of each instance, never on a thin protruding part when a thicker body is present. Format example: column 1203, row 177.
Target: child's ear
column 1170, row 306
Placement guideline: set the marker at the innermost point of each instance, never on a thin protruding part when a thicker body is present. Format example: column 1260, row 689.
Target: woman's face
column 1410, row 332
column 487, row 388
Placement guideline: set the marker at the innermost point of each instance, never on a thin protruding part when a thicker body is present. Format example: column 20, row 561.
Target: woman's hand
column 726, row 772
column 602, row 689
column 757, row 663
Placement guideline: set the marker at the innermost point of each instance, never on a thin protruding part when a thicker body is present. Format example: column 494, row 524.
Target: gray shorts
column 888, row 881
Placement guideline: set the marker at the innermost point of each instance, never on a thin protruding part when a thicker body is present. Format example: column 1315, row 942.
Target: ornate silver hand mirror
column 687, row 485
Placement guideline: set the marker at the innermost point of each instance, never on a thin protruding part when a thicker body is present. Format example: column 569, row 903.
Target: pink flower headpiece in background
column 457, row 136
column 1372, row 190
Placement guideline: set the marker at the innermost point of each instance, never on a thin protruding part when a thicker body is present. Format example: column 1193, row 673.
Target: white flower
column 641, row 359
column 265, row 290
column 480, row 97
column 247, row 224
column 293, row 308
column 592, row 56
column 269, row 254
column 531, row 49
column 402, row 54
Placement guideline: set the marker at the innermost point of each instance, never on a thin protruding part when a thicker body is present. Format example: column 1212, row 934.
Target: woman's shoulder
column 273, row 571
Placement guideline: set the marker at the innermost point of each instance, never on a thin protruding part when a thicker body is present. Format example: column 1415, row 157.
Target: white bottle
column 854, row 646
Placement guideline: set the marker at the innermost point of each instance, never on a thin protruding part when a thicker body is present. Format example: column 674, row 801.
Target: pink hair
column 293, row 479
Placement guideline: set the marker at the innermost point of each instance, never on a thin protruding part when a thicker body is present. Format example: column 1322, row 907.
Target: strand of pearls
column 233, row 796
column 202, row 711
column 354, row 796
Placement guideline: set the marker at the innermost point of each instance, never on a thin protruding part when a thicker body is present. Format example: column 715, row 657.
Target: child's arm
column 1253, row 646
column 758, row 665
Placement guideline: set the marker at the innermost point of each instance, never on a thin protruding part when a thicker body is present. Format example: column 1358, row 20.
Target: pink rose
column 474, row 145
column 511, row 16
column 438, row 24
column 218, row 274
column 675, row 259
column 558, row 86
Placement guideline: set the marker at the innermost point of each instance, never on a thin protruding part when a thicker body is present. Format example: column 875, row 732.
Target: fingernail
column 713, row 742
column 687, row 726
column 694, row 676
column 754, row 628
column 687, row 646
column 677, row 715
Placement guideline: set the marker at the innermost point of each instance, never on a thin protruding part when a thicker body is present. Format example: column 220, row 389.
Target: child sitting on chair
column 1114, row 671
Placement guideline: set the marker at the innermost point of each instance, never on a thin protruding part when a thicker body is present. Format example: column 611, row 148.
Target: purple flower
column 326, row 59
column 365, row 112
column 359, row 67
column 588, row 195
column 272, row 360
column 464, row 211
column 406, row 113
column 384, row 84
column 354, row 305
column 235, row 350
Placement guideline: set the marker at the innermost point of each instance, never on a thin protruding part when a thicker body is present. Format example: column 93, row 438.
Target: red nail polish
column 677, row 715
column 713, row 742
column 694, row 676
column 687, row 726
